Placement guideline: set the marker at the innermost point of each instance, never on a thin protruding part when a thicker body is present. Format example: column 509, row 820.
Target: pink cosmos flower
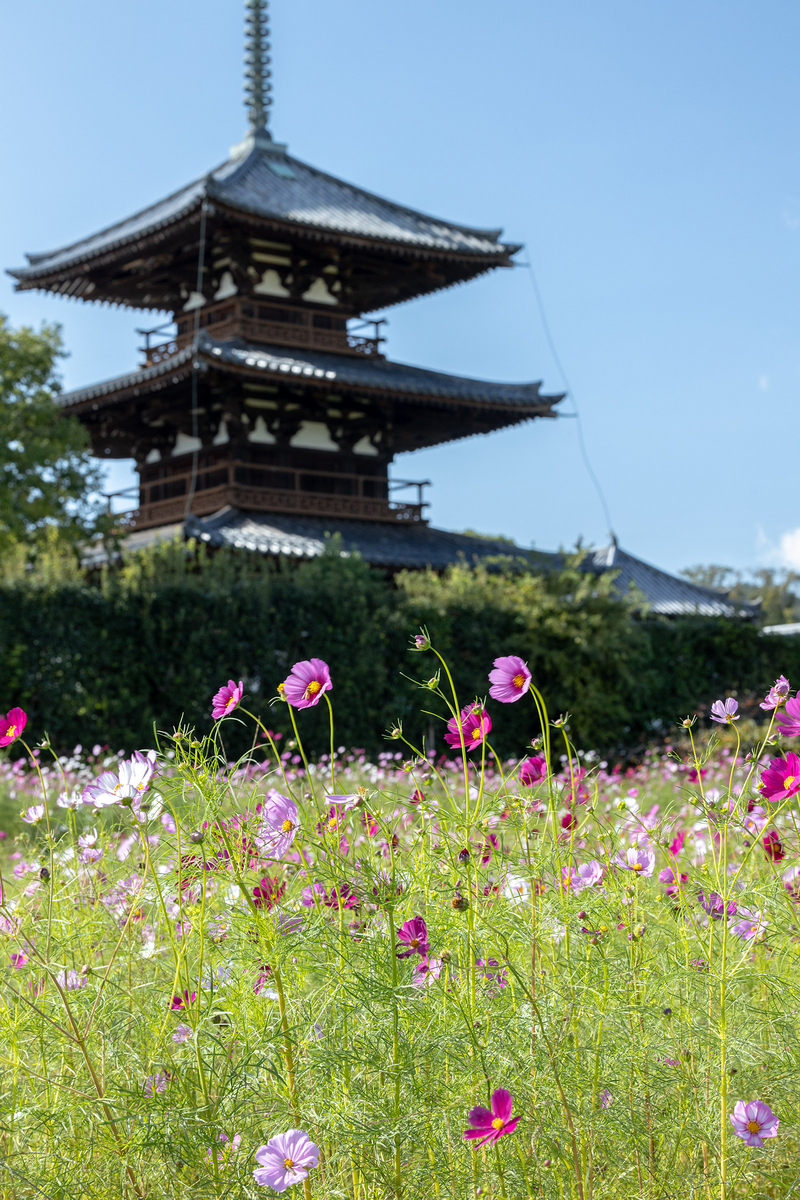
column 227, row 1149
column 475, row 723
column 268, row 892
column 12, row 725
column 781, row 778
column 724, row 711
column 156, row 1083
column 789, row 722
column 583, row 876
column 285, row 1160
column 713, row 904
column 606, row 1099
column 532, row 770
column 673, row 880
column 749, row 924
column 182, row 1033
column 753, row 1122
column 510, row 679
column 345, row 803
column 427, row 972
column 414, row 936
column 307, row 682
column 71, row 980
column 489, row 1125
column 227, row 699
column 182, row 1001
column 773, row 846
column 493, row 974
column 33, row 815
column 278, row 826
column 776, row 694
column 18, row 960
column 637, row 859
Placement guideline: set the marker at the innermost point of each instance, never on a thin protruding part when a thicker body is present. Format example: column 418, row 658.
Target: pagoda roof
column 314, row 367
column 265, row 183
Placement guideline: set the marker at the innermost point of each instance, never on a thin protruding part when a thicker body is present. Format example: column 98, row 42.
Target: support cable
column 581, row 443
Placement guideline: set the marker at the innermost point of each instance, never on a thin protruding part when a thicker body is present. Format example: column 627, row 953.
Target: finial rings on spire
column 257, row 87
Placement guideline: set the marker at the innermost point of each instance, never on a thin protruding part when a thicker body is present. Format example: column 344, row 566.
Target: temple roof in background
column 415, row 546
column 273, row 186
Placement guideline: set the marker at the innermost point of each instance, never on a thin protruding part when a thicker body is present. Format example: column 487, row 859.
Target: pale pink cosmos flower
column 126, row 786
column 285, row 1160
column 724, row 711
column 776, row 694
column 748, row 923
column 33, row 815
column 789, row 722
column 227, row 1148
column 638, row 859
column 510, row 679
column 307, row 683
column 182, row 1034
column 70, row 800
column 475, row 723
column 606, row 1099
column 12, row 725
column 156, row 1083
column 278, row 826
column 427, row 972
column 70, row 980
column 754, row 1121
column 227, row 699
column 579, row 877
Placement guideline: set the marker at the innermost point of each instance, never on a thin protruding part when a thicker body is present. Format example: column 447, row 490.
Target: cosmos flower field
column 436, row 974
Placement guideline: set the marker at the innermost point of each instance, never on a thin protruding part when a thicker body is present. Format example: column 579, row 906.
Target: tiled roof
column 371, row 374
column 419, row 546
column 378, row 542
column 299, row 195
column 666, row 594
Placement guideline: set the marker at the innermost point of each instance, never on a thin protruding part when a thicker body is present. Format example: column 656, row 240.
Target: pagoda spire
column 257, row 87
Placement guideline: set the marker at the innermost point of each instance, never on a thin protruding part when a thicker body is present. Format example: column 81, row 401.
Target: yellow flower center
column 518, row 680
column 287, row 826
column 288, row 1163
column 281, row 689
column 753, row 1126
column 313, row 688
column 498, row 1123
column 789, row 782
column 476, row 733
column 415, row 942
column 636, row 867
column 11, row 731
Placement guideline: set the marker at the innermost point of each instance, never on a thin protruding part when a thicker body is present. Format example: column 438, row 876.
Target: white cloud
column 789, row 549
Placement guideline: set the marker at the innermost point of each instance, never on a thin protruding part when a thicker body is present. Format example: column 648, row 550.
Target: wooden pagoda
column 267, row 396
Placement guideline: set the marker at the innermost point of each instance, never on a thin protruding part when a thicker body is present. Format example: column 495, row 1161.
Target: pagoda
column 264, row 403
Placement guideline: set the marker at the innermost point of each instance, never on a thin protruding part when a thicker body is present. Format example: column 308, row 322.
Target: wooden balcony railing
column 258, row 488
column 271, row 324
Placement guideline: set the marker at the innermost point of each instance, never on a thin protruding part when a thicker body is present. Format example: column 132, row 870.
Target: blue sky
column 645, row 153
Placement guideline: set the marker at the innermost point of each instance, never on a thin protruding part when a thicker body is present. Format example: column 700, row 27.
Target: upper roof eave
column 226, row 185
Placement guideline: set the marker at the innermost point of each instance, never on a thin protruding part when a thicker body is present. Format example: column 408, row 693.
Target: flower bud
column 198, row 837
column 445, row 956
column 459, row 903
column 463, row 856
column 44, row 874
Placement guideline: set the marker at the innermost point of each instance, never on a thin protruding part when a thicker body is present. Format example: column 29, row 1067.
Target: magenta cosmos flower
column 227, row 699
column 510, row 679
column 586, row 875
column 414, row 937
column 776, row 694
column 475, row 723
column 532, row 770
column 12, row 725
column 636, row 859
column 724, row 711
column 490, row 1125
column 781, row 778
column 285, row 1160
column 278, row 826
column 789, row 722
column 307, row 682
column 753, row 1122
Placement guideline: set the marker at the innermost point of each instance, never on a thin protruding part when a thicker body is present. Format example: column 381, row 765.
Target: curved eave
column 178, row 367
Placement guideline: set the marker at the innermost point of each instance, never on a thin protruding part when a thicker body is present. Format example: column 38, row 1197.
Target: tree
column 48, row 479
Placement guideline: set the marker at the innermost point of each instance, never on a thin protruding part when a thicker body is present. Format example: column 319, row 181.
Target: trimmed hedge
column 140, row 648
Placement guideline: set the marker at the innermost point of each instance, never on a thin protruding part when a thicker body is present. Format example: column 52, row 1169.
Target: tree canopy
column 48, row 480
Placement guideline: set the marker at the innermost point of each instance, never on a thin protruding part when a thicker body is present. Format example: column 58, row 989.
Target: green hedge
column 143, row 646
